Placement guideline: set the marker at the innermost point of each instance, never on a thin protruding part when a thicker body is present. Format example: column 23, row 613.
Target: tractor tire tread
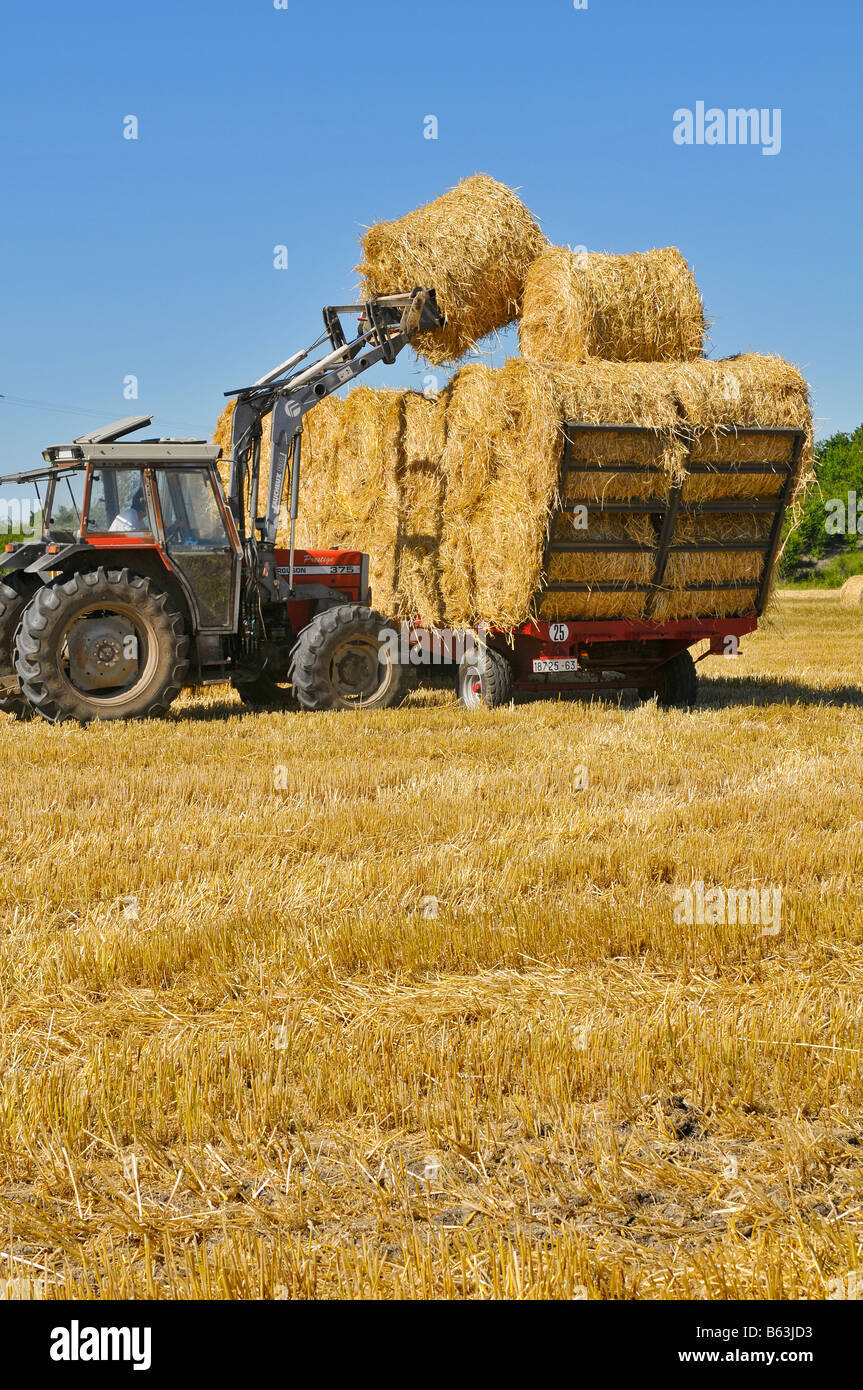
column 36, row 665
column 308, row 674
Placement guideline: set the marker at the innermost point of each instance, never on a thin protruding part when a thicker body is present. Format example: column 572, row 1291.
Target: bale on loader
column 643, row 307
column 473, row 245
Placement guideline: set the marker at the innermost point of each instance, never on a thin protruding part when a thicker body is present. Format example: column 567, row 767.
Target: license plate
column 554, row 666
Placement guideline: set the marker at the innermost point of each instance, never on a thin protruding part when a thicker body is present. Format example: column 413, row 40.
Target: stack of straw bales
column 454, row 497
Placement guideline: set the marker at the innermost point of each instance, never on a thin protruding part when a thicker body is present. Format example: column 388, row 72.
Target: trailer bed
column 574, row 653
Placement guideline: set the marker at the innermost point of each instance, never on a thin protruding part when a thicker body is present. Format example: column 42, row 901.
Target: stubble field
column 391, row 1006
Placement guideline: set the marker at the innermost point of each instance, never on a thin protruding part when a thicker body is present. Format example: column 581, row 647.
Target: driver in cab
column 134, row 517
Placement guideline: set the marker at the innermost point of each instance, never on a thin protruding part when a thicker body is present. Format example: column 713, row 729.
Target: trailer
column 653, row 657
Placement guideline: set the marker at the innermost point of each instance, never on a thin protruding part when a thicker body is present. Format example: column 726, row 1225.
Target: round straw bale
column 643, row 307
column 473, row 246
column 852, row 590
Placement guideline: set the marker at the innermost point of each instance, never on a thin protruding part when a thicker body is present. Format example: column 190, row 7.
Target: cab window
column 190, row 512
column 118, row 502
column 63, row 505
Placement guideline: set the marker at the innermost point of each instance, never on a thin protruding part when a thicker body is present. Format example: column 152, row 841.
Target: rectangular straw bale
column 360, row 511
column 508, row 526
column 747, row 391
column 502, row 461
column 643, row 307
column 473, row 246
column 482, row 418
column 419, row 588
column 744, row 391
column 627, row 394
column 625, row 568
column 672, row 604
column 317, row 476
column 606, row 393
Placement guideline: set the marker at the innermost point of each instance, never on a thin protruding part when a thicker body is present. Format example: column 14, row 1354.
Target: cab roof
column 109, row 444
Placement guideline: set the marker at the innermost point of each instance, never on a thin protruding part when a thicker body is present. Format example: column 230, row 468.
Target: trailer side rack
column 665, row 511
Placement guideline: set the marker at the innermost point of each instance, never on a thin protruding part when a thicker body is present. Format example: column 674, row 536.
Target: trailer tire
column 160, row 651
column 679, row 687
column 13, row 601
column 484, row 679
column 337, row 662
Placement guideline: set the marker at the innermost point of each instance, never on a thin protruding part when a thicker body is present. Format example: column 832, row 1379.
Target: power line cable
column 56, row 409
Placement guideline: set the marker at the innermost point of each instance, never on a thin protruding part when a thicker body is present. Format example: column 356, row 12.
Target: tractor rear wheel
column 262, row 692
column 105, row 644
column 13, row 600
column 678, row 684
column 484, row 679
column 344, row 660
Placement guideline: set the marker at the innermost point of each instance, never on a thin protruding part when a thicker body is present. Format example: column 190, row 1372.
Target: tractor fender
column 21, row 559
column 321, row 591
column 146, row 561
column 57, row 559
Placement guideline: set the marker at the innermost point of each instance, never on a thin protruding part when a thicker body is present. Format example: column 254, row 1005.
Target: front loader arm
column 392, row 321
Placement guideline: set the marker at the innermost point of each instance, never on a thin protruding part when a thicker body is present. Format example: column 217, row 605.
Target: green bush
column 838, row 472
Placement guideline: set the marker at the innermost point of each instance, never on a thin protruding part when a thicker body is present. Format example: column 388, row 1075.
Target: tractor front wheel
column 105, row 644
column 347, row 659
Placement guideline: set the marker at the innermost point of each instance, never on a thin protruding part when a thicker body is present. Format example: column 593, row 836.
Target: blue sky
column 261, row 126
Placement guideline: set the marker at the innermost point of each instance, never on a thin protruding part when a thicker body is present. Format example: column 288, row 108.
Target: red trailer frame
column 637, row 650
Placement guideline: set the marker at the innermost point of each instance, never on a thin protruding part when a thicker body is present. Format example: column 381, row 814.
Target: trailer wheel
column 262, row 693
column 679, row 687
column 105, row 644
column 341, row 661
column 13, row 601
column 484, row 679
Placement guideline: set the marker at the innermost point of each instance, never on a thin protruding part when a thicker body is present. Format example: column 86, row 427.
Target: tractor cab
column 157, row 503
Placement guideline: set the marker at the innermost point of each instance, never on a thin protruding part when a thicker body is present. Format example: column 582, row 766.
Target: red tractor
column 146, row 578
